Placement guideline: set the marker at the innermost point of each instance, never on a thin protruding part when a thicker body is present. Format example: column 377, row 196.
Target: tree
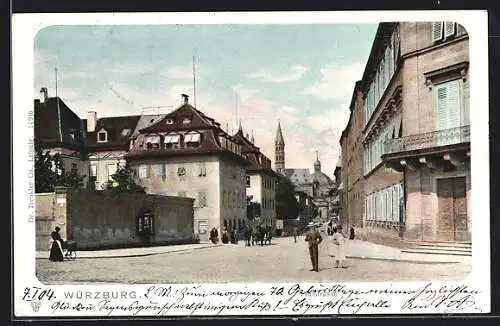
column 287, row 206
column 124, row 181
column 253, row 208
column 50, row 173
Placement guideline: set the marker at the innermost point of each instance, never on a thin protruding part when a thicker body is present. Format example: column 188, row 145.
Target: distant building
column 353, row 159
column 279, row 151
column 108, row 141
column 187, row 154
column 260, row 178
column 59, row 130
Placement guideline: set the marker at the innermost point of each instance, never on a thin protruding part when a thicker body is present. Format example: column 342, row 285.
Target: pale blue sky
column 300, row 74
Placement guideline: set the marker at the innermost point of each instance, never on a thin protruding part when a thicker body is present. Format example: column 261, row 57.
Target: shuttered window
column 449, row 29
column 437, row 31
column 448, row 105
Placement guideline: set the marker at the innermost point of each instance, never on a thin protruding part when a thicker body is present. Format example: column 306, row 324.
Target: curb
column 401, row 260
column 140, row 255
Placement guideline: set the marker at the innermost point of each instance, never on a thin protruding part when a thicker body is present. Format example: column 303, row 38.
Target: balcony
column 444, row 150
column 428, row 140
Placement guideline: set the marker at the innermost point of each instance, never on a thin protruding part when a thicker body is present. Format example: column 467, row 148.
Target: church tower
column 317, row 164
column 279, row 151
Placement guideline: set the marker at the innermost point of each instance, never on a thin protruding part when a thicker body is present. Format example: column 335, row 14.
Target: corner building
column 417, row 136
column 187, row 154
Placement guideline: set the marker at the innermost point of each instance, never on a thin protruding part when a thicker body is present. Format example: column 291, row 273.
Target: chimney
column 43, row 95
column 185, row 99
column 91, row 121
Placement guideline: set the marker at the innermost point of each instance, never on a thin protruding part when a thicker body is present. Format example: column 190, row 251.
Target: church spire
column 279, row 151
column 252, row 139
column 279, row 135
column 240, row 128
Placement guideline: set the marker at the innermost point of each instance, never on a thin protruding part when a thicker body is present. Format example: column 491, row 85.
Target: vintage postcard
column 250, row 164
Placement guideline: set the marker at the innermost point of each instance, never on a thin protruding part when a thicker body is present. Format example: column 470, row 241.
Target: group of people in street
column 258, row 235
column 226, row 237
column 314, row 238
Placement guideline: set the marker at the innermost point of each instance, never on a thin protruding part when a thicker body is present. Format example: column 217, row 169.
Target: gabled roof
column 47, row 125
column 258, row 162
column 119, row 130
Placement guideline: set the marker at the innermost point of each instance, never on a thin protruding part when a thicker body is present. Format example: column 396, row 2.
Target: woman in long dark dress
column 56, row 252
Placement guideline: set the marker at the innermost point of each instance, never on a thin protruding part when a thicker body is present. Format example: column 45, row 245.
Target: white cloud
column 294, row 73
column 337, row 82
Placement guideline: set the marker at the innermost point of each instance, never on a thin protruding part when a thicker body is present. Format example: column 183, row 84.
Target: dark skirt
column 55, row 253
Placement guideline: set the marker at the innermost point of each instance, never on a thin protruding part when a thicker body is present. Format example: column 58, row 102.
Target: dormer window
column 172, row 141
column 186, row 121
column 125, row 132
column 192, row 140
column 102, row 136
column 169, row 121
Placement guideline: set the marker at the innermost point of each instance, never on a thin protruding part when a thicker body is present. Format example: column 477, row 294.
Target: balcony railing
column 438, row 138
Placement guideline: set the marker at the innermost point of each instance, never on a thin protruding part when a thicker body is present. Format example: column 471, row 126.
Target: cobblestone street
column 282, row 261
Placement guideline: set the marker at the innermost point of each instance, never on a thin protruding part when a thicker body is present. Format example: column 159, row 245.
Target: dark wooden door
column 452, row 202
column 461, row 229
column 445, row 203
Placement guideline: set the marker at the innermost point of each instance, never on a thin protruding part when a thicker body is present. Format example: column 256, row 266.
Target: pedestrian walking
column 313, row 238
column 295, row 234
column 339, row 243
column 351, row 233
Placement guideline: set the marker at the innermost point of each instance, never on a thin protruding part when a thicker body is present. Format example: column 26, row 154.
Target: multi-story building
column 59, row 130
column 433, row 149
column 260, row 179
column 187, row 154
column 353, row 153
column 415, row 135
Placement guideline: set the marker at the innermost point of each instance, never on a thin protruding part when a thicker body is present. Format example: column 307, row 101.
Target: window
column 102, row 136
column 93, row 170
column 143, row 171
column 448, row 105
column 169, row 121
column 125, row 132
column 437, row 31
column 192, row 140
column 202, row 199
column 449, row 29
column 172, row 141
column 158, row 170
column 186, row 121
column 181, row 171
column 203, row 170
column 112, row 167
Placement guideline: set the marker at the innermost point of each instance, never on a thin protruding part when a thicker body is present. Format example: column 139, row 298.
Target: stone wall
column 98, row 220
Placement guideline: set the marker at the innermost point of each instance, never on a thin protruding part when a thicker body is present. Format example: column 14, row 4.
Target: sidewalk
column 358, row 249
column 133, row 252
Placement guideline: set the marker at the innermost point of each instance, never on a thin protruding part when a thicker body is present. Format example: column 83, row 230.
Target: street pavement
column 282, row 261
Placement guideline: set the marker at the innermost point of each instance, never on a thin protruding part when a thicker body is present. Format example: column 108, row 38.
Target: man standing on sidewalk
column 313, row 238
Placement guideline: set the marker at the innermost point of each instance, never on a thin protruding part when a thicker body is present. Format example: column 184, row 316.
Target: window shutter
column 437, row 31
column 442, row 109
column 453, row 104
column 449, row 29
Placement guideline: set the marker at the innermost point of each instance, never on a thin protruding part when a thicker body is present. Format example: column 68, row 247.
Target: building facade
column 352, row 152
column 58, row 130
column 260, row 179
column 433, row 152
column 415, row 135
column 187, row 154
